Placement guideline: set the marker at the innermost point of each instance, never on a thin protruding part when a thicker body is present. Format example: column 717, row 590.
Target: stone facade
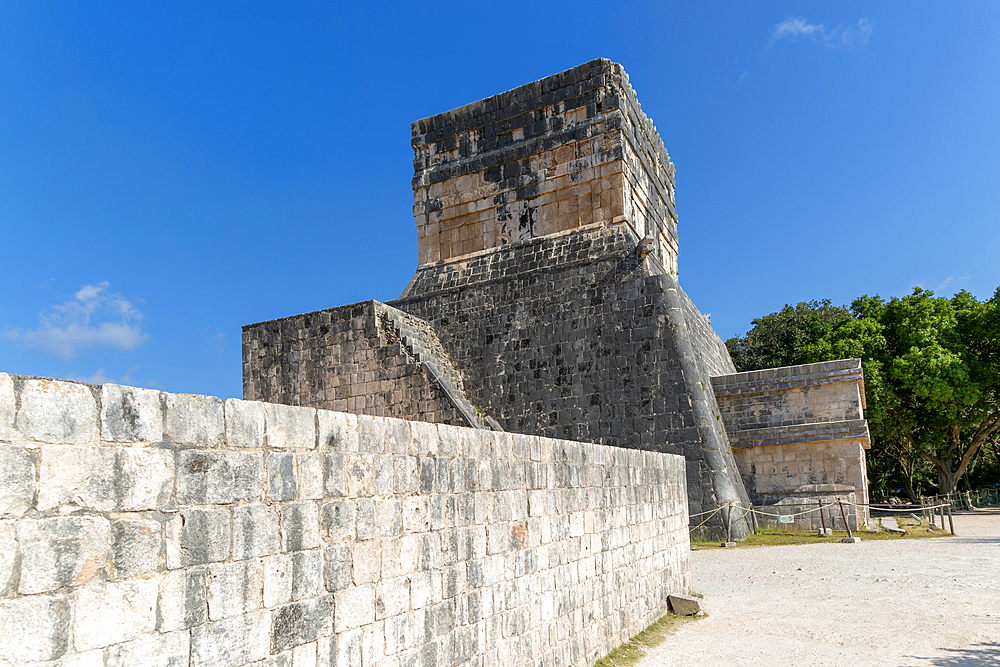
column 144, row 528
column 798, row 426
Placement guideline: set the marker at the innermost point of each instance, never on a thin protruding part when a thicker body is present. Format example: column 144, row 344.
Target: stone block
column 338, row 431
column 132, row 605
column 416, row 514
column 337, row 524
column 194, row 420
column 425, row 588
column 307, row 574
column 355, row 606
column 34, row 628
column 61, row 551
column 337, row 568
column 335, row 475
column 389, row 517
column 365, row 523
column 299, row 526
column 17, row 481
column 346, row 649
column 307, row 655
column 423, row 439
column 405, row 478
column 277, row 580
column 360, row 475
column 208, row 477
column 57, row 412
column 366, row 559
column 235, row 588
column 106, row 479
column 371, row 435
column 135, row 547
column 684, row 605
column 197, row 536
column 300, row 623
column 309, row 475
column 392, row 597
column 183, row 601
column 290, row 426
column 156, row 650
column 281, row 476
column 7, row 404
column 244, row 423
column 129, row 414
column 232, row 642
column 255, row 531
column 8, row 558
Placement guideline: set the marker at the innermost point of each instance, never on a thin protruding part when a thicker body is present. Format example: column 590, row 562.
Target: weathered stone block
column 61, row 551
column 8, row 557
column 277, row 580
column 423, row 438
column 299, row 526
column 56, row 411
column 33, row 628
column 129, row 414
column 337, row 568
column 684, row 605
column 131, row 605
column 183, row 601
column 209, row 477
column 338, row 430
column 233, row 641
column 194, row 420
column 290, row 426
column 307, row 574
column 7, row 404
column 366, row 560
column 416, row 514
column 135, row 547
column 355, row 606
column 335, row 475
column 309, row 475
column 338, row 521
column 106, row 479
column 244, row 423
column 301, row 622
column 17, row 481
column 281, row 476
column 197, row 536
column 235, row 588
column 156, row 650
column 255, row 531
column 425, row 588
column 392, row 597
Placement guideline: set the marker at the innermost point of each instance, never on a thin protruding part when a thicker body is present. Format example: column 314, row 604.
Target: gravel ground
column 898, row 602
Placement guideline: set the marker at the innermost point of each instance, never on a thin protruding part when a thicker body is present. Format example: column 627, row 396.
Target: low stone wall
column 144, row 528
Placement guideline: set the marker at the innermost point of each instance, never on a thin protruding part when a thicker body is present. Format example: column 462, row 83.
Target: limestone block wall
column 340, row 359
column 776, row 469
column 139, row 527
column 564, row 152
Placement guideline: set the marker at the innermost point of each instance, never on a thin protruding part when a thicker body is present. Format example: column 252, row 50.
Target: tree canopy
column 932, row 374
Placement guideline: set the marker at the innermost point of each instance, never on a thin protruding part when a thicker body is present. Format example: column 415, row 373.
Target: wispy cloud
column 94, row 317
column 795, row 28
column 950, row 281
column 100, row 377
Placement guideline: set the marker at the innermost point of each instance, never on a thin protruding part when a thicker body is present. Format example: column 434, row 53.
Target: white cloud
column 951, row 280
column 93, row 317
column 850, row 38
column 100, row 377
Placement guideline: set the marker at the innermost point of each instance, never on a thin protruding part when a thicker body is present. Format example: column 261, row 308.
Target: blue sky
column 172, row 171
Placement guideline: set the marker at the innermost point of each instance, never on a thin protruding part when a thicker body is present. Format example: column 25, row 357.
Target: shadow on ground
column 975, row 655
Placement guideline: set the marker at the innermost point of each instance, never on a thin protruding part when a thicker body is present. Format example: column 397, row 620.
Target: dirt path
column 898, row 602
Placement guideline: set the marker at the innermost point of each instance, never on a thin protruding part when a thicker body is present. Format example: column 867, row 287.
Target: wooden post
column 844, row 517
column 729, row 524
column 822, row 519
column 753, row 519
column 951, row 524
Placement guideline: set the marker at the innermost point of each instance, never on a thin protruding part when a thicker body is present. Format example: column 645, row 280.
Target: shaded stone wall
column 139, row 527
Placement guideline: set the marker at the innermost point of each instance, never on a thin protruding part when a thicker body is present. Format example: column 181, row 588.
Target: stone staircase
column 421, row 344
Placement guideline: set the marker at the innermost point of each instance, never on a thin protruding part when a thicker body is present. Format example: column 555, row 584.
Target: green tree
column 779, row 339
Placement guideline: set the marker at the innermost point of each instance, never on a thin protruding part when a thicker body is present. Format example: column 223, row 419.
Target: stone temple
column 546, row 302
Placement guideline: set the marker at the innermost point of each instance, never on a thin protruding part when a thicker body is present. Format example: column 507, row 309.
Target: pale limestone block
column 93, row 658
column 129, row 414
column 219, row 476
column 105, row 479
column 301, row 622
column 17, row 481
column 183, row 599
column 371, row 435
column 365, row 523
column 235, row 588
column 345, row 648
column 405, row 478
column 132, row 605
column 6, row 407
column 244, row 423
column 135, row 547
column 299, row 526
column 255, row 531
column 397, row 435
column 360, row 475
column 416, row 514
column 58, row 412
column 309, row 475
column 61, row 551
column 290, row 426
column 197, row 536
column 277, row 580
column 338, row 522
column 392, row 597
column 389, row 517
column 33, row 628
column 335, row 477
column 307, row 574
column 373, row 643
column 281, row 476
column 425, row 588
column 355, row 606
column 423, row 439
column 233, row 641
column 194, row 420
column 156, row 650
column 366, row 558
column 337, row 568
column 338, row 431
column 8, row 557
column 305, row 655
